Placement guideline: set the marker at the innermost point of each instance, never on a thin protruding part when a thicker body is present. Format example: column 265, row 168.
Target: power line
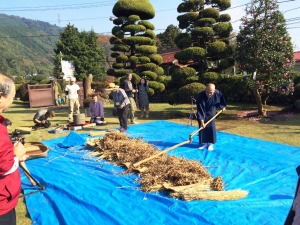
column 58, row 7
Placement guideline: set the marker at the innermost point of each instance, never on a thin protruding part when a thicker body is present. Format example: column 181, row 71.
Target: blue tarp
column 81, row 190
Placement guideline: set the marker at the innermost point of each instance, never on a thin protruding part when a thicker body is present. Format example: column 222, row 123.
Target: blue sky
column 95, row 14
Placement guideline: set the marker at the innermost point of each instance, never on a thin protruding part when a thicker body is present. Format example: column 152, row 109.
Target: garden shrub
column 147, row 24
column 149, row 33
column 224, row 18
column 134, row 28
column 205, row 22
column 121, row 58
column 149, row 75
column 210, row 77
column 120, row 48
column 297, row 91
column 133, row 18
column 146, row 49
column 210, row 13
column 142, row 8
column 202, row 32
column 156, row 58
column 23, row 92
column 159, row 71
column 191, row 53
column 144, row 59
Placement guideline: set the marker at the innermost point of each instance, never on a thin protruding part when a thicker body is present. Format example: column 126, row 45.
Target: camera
column 16, row 137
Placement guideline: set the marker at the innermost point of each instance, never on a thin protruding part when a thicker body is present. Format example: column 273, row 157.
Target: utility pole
column 58, row 19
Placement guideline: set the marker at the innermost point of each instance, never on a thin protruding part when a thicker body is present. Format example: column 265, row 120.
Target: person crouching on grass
column 41, row 118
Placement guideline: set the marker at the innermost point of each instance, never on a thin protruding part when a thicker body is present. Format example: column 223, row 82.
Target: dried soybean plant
column 181, row 178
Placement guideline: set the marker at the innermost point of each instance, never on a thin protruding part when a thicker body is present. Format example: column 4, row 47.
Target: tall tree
column 82, row 49
column 265, row 50
column 204, row 42
column 167, row 38
column 134, row 45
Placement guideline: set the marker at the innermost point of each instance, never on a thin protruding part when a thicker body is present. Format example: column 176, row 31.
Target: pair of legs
column 132, row 109
column 74, row 106
column 145, row 112
column 122, row 115
column 47, row 124
column 207, row 136
column 97, row 120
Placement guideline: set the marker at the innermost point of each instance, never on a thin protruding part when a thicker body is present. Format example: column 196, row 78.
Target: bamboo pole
column 175, row 146
column 27, row 173
column 160, row 153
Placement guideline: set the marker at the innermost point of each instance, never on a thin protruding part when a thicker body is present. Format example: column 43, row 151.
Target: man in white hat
column 72, row 93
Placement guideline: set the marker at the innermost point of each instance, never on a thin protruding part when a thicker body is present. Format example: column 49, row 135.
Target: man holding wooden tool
column 207, row 102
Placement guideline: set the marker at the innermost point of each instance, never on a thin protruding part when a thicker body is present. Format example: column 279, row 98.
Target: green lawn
column 281, row 128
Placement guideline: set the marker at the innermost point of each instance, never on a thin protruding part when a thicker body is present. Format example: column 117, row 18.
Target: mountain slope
column 26, row 46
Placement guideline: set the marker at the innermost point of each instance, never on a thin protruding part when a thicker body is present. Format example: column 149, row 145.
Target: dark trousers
column 123, row 115
column 8, row 218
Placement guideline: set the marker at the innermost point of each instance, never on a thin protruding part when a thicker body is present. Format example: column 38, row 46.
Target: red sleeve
column 6, row 151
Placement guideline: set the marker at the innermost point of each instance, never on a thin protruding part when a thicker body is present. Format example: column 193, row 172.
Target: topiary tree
column 265, row 51
column 204, row 42
column 134, row 45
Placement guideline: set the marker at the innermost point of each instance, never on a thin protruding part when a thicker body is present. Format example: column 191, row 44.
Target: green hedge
column 120, row 48
column 202, row 32
column 146, row 49
column 133, row 18
column 149, row 33
column 147, row 24
column 191, row 53
column 133, row 28
column 223, row 29
column 222, row 4
column 210, row 13
column 139, row 40
column 148, row 67
column 149, row 75
column 184, row 43
column 205, row 22
column 156, row 58
column 224, row 18
column 216, row 48
column 122, row 58
column 142, row 8
column 144, row 59
column 188, row 17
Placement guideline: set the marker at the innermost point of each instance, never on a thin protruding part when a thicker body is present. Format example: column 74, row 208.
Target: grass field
column 279, row 128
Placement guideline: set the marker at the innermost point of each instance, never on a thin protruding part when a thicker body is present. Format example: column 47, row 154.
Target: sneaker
column 210, row 147
column 203, row 146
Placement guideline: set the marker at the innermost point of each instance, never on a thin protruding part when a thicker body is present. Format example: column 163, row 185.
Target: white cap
column 73, row 79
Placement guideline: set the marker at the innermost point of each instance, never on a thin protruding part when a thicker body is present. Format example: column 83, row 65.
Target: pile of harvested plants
column 181, row 178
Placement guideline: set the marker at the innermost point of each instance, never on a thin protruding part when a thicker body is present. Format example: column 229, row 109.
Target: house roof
column 297, row 56
column 168, row 57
